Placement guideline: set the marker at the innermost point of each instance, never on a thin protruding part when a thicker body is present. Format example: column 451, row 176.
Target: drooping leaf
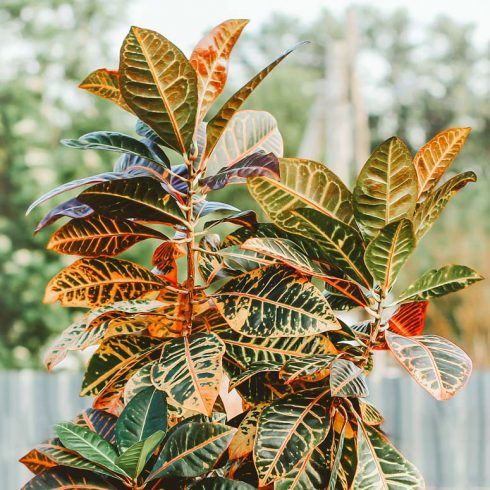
column 115, row 357
column 247, row 132
column 335, row 241
column 140, row 198
column 144, row 415
column 203, row 209
column 252, row 165
column 99, row 236
column 69, row 479
column 243, row 441
column 96, row 282
column 438, row 282
column 210, row 61
column 347, row 379
column 433, row 159
column 88, row 444
column 220, row 121
column 288, row 429
column 134, row 459
column 303, row 184
column 430, row 209
column 119, row 143
column 274, row 301
column 192, row 450
column 189, row 371
column 159, row 84
column 165, row 260
column 386, row 188
column 438, row 365
column 381, row 465
column 388, row 251
column 72, row 208
column 105, row 83
column 298, row 368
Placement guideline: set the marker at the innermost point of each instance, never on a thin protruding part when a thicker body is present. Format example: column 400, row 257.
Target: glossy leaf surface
column 69, row 479
column 347, row 379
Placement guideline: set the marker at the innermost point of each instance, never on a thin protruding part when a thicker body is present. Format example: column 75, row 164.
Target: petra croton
column 257, row 307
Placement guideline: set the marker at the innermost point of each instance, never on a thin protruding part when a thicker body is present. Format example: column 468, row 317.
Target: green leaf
column 388, row 251
column 438, row 282
column 381, row 465
column 347, row 380
column 192, row 450
column 218, row 123
column 438, row 365
column 189, row 371
column 252, row 370
column 430, row 209
column 60, row 455
column 117, row 142
column 134, row 459
column 335, row 241
column 303, row 184
column 386, row 188
column 141, row 198
column 246, row 133
column 274, row 301
column 70, row 479
column 159, row 84
column 113, row 358
column 288, row 429
column 97, row 236
column 89, row 445
column 144, row 415
column 98, row 421
column 220, row 483
column 434, row 158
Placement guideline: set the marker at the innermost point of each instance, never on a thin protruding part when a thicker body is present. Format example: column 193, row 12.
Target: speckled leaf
column 243, row 441
column 299, row 368
column 438, row 365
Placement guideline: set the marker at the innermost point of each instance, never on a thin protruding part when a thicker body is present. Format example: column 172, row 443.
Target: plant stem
column 375, row 328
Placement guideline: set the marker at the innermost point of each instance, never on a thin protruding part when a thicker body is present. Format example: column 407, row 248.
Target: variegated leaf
column 388, row 251
column 438, row 365
column 210, row 61
column 159, row 84
column 220, row 483
column 190, row 371
column 335, row 242
column 115, row 357
column 252, row 165
column 434, row 158
column 192, row 450
column 343, row 294
column 165, row 260
column 210, row 263
column 220, row 122
column 99, row 236
column 347, row 379
column 381, row 466
column 247, row 132
column 98, row 421
column 105, row 83
column 298, row 368
column 243, row 441
column 141, row 198
column 72, row 208
column 253, row 369
column 36, row 461
column 430, row 209
column 97, row 282
column 386, row 188
column 274, row 301
column 438, row 282
column 70, row 479
column 409, row 319
column 370, row 415
column 303, row 184
column 288, row 429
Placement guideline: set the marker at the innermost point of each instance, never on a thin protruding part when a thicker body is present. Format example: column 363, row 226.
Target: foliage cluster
column 259, row 306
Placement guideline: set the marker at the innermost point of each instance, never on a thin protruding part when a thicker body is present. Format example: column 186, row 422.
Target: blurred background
column 374, row 69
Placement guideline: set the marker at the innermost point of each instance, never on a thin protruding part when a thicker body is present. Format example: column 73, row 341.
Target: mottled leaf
column 298, row 368
column 347, row 379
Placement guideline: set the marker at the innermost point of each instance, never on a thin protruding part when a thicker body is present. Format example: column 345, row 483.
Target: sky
column 183, row 21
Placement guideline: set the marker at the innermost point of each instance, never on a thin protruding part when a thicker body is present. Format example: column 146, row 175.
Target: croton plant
column 259, row 311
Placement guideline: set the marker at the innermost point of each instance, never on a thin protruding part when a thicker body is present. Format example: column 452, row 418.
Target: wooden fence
column 448, row 441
